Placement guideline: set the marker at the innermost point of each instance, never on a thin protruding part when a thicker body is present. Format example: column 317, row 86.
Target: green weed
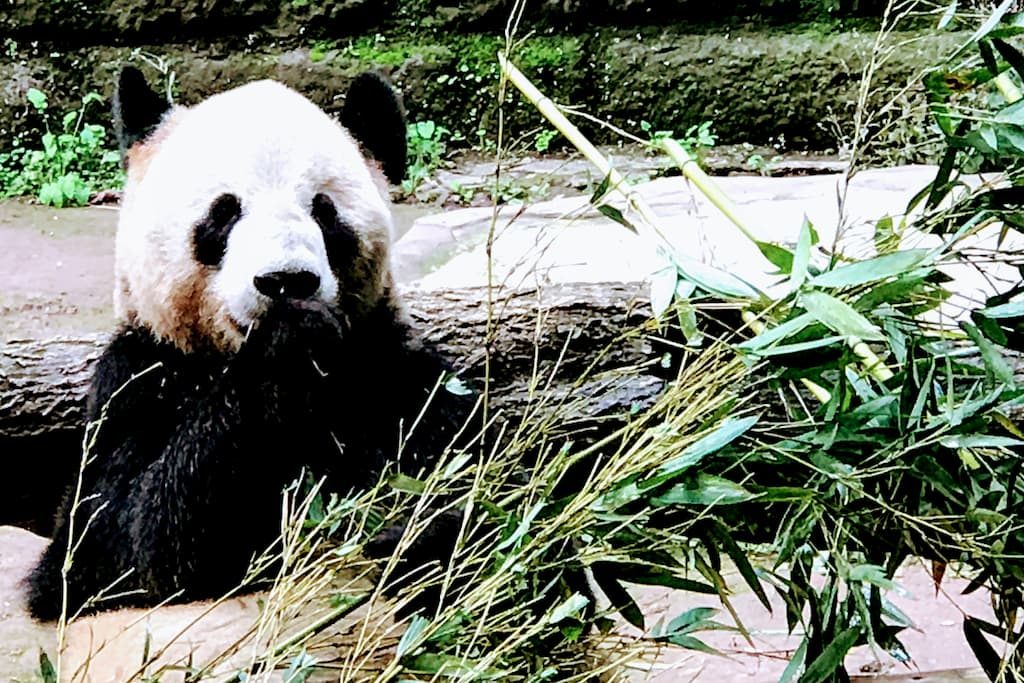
column 427, row 145
column 71, row 163
column 542, row 142
column 759, row 164
column 697, row 138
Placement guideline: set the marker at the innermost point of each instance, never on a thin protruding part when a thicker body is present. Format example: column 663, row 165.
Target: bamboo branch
column 691, row 170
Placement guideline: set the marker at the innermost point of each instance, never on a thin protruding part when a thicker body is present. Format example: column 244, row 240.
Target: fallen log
column 558, row 334
column 43, row 382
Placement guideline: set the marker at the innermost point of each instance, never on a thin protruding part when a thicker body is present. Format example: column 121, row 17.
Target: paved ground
column 565, row 240
column 20, row 638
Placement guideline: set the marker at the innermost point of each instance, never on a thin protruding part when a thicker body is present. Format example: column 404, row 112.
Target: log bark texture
column 43, row 382
column 556, row 334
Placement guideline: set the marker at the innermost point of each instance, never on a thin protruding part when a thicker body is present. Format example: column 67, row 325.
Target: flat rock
column 567, row 240
column 21, row 638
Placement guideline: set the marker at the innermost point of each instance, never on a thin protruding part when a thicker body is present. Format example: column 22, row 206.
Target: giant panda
column 259, row 338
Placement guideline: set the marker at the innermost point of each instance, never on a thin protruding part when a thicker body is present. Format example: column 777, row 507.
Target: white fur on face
column 275, row 151
column 272, row 235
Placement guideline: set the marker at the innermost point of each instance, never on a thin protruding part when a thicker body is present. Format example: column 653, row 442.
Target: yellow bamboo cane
column 692, row 171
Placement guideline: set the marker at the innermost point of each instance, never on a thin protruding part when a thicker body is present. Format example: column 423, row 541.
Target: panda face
column 251, row 198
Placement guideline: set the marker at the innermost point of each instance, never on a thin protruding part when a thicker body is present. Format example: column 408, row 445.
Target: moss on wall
column 800, row 88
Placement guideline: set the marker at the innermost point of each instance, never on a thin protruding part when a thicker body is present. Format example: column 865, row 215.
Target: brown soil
column 56, row 270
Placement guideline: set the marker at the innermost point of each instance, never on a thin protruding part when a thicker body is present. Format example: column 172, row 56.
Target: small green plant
column 511, row 191
column 320, row 50
column 463, row 194
column 427, row 145
column 697, row 137
column 757, row 163
column 542, row 142
column 71, row 164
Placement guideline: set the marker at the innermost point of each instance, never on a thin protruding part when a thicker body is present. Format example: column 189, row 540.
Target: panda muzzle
column 282, row 285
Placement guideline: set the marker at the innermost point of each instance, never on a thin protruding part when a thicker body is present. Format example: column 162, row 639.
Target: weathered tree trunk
column 556, row 334
column 43, row 382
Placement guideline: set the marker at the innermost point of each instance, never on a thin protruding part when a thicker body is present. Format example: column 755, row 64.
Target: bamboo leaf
column 601, row 190
column 799, row 347
column 691, row 643
column 613, row 213
column 796, row 662
column 727, row 432
column 620, row 495
column 988, row 56
column 522, row 529
column 46, row 669
column 947, row 15
column 691, row 620
column 777, row 333
column 653, row 576
column 663, row 289
column 802, row 256
column 617, row 595
column 979, row 441
column 782, row 494
column 739, row 558
column 570, row 607
column 840, row 316
column 1012, row 114
column 714, row 280
column 410, row 639
column 1013, row 309
column 705, row 489
column 994, row 361
column 779, row 256
column 986, row 28
column 831, row 658
column 452, row 666
column 871, row 270
column 407, row 484
column 988, row 658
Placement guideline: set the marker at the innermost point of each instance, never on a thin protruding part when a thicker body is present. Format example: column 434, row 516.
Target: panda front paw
column 44, row 591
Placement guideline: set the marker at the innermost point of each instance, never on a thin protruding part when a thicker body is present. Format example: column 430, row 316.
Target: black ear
column 373, row 114
column 137, row 109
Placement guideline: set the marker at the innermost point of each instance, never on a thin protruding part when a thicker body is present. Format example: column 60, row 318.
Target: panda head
column 252, row 198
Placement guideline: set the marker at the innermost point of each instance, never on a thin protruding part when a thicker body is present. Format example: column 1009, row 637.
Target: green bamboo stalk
column 616, row 181
column 692, row 171
column 1007, row 88
column 695, row 174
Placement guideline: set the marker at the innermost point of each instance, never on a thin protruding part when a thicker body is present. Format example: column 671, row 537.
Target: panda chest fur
column 308, row 405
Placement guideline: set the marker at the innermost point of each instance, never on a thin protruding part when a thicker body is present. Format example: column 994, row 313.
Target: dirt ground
column 56, row 272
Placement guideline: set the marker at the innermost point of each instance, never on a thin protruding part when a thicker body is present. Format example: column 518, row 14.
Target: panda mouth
column 244, row 330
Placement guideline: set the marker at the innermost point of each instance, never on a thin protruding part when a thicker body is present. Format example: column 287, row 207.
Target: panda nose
column 287, row 284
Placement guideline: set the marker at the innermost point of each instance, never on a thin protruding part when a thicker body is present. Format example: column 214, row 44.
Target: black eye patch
column 210, row 235
column 340, row 238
